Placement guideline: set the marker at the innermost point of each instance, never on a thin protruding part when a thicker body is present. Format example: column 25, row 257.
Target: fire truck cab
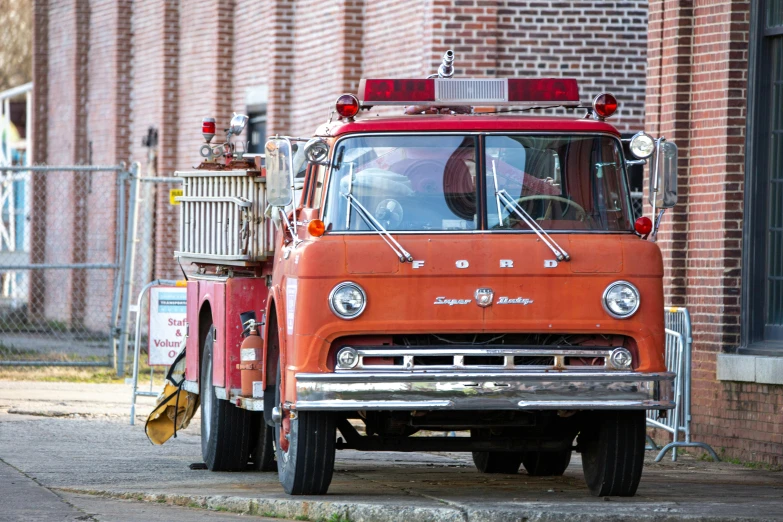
column 444, row 270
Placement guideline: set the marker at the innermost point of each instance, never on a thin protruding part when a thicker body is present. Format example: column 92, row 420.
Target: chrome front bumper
column 353, row 391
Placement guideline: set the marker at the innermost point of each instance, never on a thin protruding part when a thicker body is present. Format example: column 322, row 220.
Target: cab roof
column 466, row 123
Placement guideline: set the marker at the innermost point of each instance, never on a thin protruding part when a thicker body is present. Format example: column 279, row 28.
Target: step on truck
column 467, row 265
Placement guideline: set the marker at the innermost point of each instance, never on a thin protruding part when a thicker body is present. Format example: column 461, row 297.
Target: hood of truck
column 532, row 292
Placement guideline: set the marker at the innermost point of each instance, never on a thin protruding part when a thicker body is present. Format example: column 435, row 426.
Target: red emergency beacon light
column 604, row 105
column 208, row 128
column 469, row 91
column 347, row 106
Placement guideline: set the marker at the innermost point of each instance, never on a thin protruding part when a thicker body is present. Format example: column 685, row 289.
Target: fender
column 199, row 295
column 273, row 301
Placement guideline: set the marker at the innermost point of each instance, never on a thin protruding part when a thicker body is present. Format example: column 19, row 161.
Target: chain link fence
column 61, row 242
column 637, row 204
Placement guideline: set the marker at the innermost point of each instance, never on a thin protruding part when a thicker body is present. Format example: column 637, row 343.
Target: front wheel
column 225, row 429
column 613, row 452
column 305, row 446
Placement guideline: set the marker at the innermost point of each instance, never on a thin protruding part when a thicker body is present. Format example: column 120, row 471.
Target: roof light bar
column 469, row 91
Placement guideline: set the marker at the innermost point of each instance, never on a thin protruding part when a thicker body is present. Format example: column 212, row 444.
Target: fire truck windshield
column 431, row 183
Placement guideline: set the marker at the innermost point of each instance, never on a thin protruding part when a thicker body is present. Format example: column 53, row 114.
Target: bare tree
column 16, row 42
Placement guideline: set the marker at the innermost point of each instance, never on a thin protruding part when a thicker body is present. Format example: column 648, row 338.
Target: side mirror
column 237, row 124
column 663, row 175
column 279, row 172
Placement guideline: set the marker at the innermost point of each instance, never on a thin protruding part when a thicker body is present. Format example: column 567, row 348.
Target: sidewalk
column 98, row 453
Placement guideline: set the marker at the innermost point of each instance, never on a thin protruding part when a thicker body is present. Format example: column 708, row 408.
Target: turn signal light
column 347, row 106
column 605, row 105
column 643, row 225
column 316, row 228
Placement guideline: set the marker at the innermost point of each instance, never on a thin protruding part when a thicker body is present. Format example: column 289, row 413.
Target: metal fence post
column 127, row 270
column 118, row 253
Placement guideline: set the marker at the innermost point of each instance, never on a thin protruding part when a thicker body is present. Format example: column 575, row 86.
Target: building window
column 762, row 297
column 256, row 132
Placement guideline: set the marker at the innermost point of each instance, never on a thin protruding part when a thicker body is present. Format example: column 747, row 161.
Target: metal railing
column 137, row 344
column 128, row 258
column 679, row 340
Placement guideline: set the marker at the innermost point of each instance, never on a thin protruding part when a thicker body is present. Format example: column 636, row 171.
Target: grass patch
column 747, row 464
column 88, row 374
column 336, row 517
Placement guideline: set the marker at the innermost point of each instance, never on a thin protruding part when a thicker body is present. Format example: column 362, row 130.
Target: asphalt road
column 88, row 455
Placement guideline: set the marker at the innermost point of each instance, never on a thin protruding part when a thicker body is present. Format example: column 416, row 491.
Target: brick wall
column 696, row 92
column 107, row 138
column 66, row 144
column 601, row 44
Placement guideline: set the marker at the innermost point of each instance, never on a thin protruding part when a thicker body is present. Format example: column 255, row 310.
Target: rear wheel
column 494, row 461
column 305, row 446
column 225, row 429
column 546, row 463
column 262, row 451
column 497, row 461
column 613, row 452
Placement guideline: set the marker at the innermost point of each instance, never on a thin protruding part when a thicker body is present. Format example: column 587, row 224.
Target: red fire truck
column 465, row 266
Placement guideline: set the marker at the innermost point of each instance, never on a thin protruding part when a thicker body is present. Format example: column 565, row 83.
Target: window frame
column 753, row 295
column 481, row 188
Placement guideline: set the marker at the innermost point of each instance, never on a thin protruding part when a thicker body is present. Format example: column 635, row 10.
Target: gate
column 679, row 338
column 61, row 241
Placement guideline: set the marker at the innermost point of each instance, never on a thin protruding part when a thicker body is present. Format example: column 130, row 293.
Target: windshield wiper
column 375, row 225
column 512, row 205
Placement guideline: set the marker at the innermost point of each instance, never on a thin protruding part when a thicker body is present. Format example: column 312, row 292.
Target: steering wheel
column 389, row 212
column 581, row 214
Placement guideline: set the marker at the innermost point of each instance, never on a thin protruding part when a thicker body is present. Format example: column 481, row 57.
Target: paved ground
column 89, row 456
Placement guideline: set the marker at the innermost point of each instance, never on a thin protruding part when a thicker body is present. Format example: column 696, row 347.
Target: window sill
column 761, row 369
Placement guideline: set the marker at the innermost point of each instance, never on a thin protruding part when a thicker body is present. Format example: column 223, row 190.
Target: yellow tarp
column 160, row 423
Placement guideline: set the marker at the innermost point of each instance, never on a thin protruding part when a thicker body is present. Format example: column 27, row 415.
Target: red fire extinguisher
column 251, row 354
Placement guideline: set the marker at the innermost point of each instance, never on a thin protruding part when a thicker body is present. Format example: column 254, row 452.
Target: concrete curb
column 324, row 510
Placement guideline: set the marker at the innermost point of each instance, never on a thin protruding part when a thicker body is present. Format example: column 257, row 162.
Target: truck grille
column 480, row 359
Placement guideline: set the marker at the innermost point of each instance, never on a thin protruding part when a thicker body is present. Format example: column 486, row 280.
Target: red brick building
column 715, row 87
column 701, row 73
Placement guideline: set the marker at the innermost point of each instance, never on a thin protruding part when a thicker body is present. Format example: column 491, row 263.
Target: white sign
column 167, row 324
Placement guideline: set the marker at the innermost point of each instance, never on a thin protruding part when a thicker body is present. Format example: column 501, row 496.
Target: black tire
column 613, row 453
column 307, row 467
column 262, row 451
column 546, row 463
column 497, row 461
column 225, row 429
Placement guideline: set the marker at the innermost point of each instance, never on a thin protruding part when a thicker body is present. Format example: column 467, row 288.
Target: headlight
column 347, row 300
column 621, row 299
column 642, row 145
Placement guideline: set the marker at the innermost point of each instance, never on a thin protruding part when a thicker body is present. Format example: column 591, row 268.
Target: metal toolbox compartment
column 222, row 218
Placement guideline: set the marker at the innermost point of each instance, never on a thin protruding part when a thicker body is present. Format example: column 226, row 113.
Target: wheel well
column 272, row 348
column 204, row 324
